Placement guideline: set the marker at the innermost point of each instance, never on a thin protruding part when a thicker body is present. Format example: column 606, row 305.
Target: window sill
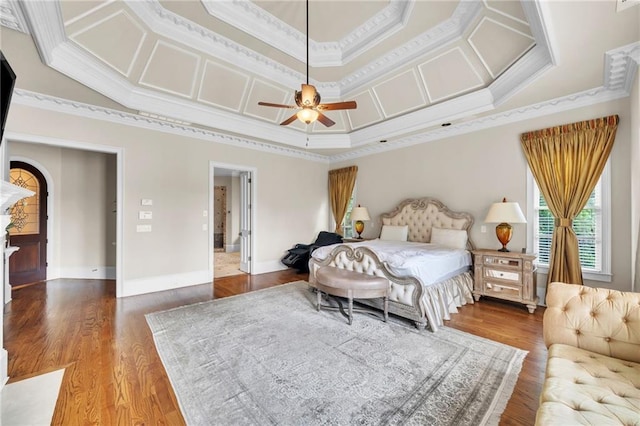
column 591, row 276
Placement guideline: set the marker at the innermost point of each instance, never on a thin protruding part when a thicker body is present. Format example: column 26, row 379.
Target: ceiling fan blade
column 338, row 105
column 325, row 120
column 269, row 104
column 289, row 120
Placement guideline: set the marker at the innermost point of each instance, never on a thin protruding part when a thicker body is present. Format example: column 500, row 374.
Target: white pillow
column 453, row 238
column 394, row 233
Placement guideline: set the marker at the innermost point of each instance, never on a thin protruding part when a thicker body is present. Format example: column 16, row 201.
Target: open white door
column 245, row 222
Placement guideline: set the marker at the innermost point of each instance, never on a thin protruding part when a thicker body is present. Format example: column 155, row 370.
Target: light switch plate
column 143, row 228
column 145, row 215
column 146, row 202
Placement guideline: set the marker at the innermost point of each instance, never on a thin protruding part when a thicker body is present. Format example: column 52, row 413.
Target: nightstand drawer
column 503, row 291
column 503, row 275
column 502, row 261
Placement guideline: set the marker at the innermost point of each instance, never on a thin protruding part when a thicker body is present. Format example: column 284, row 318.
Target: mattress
column 431, row 263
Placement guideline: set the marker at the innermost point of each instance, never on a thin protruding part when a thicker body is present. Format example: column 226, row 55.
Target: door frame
column 252, row 213
column 50, row 199
column 84, row 146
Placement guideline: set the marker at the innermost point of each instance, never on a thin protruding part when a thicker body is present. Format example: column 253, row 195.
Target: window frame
column 348, row 225
column 604, row 274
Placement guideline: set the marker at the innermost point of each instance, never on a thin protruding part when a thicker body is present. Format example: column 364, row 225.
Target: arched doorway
column 29, row 226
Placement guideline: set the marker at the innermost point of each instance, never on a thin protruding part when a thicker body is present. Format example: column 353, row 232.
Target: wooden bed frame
column 409, row 297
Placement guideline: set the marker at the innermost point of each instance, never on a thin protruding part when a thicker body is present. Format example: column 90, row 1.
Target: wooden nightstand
column 505, row 275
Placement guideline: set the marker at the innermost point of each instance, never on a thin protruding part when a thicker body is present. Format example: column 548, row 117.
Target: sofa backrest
column 595, row 319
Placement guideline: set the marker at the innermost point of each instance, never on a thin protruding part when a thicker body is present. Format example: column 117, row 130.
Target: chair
column 298, row 256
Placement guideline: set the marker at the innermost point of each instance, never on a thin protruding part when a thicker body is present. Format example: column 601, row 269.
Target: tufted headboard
column 421, row 214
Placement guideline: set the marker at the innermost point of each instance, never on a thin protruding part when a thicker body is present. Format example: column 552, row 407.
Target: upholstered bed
column 422, row 289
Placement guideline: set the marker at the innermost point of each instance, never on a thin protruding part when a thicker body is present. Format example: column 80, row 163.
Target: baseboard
column 164, row 282
column 4, row 365
column 269, row 266
column 86, row 272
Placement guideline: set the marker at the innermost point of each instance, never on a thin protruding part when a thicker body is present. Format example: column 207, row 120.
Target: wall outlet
column 483, row 229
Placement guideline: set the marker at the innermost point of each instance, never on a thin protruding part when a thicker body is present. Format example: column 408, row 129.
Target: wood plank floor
column 114, row 375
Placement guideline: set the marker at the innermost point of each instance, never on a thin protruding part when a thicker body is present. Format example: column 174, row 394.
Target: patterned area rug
column 226, row 264
column 268, row 357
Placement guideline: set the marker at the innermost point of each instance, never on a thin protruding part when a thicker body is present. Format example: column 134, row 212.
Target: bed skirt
column 444, row 298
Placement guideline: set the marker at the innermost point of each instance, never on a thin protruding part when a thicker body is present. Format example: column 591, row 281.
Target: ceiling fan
column 308, row 100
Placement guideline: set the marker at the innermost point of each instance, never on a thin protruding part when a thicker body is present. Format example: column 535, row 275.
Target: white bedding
column 430, row 263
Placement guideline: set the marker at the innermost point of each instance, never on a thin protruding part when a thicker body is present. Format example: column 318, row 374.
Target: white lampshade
column 505, row 212
column 360, row 213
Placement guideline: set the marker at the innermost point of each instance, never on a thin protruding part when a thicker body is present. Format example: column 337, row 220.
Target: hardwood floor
column 114, row 375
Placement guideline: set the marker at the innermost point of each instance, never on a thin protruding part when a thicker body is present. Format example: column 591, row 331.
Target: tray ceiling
column 410, row 65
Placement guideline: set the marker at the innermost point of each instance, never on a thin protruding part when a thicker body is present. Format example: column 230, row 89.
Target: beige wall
column 173, row 171
column 81, row 211
column 469, row 172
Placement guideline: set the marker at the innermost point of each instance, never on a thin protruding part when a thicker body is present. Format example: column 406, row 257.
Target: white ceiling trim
column 621, row 67
column 195, row 69
column 88, row 12
column 255, row 21
column 436, row 37
column 52, row 103
column 11, row 16
column 578, row 100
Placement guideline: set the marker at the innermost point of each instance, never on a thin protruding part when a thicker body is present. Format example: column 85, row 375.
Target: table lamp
column 359, row 215
column 501, row 213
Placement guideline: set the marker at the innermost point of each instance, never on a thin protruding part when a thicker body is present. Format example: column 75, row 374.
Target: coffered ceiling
column 410, row 65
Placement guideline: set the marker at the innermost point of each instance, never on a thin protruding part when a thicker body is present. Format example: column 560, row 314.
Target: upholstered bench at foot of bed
column 351, row 285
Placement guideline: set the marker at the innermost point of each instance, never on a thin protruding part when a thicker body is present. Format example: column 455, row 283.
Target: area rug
column 268, row 357
column 226, row 264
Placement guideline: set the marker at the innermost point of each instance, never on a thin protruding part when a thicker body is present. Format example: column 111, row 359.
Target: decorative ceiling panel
column 76, row 10
column 263, row 91
column 449, row 74
column 171, row 69
column 512, row 9
column 367, row 112
column 116, row 40
column 222, row 86
column 498, row 45
column 400, row 94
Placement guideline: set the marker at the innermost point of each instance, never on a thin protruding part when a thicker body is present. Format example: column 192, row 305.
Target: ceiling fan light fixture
column 307, row 115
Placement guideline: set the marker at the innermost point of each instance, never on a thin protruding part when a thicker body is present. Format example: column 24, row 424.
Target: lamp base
column 359, row 227
column 504, row 232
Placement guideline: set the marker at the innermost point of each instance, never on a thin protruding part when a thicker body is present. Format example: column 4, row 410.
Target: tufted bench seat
column 352, row 285
column 593, row 369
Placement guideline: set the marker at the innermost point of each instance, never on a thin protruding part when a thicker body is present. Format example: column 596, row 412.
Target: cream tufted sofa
column 593, row 369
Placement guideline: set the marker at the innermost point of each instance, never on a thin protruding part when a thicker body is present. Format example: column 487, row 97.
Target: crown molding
column 255, row 21
column 66, row 106
column 553, row 106
column 11, row 16
column 436, row 37
column 620, row 66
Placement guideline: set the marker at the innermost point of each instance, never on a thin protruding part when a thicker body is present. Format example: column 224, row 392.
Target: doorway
column 28, row 231
column 231, row 220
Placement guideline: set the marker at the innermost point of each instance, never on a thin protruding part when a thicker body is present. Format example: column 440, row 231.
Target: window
column 592, row 227
column 347, row 223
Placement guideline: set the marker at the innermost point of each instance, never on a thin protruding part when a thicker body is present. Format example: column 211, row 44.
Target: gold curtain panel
column 341, row 183
column 567, row 162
